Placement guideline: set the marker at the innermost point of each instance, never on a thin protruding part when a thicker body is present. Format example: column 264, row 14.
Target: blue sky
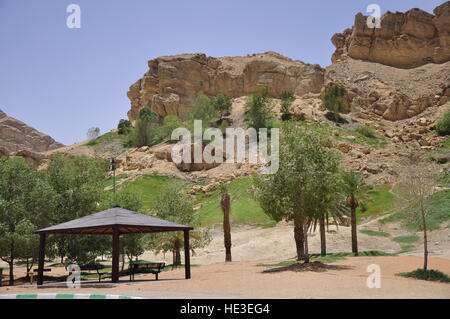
column 63, row 81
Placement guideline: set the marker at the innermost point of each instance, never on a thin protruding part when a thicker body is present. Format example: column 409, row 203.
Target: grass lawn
column 430, row 274
column 438, row 208
column 244, row 209
column 380, row 201
column 374, row 233
column 107, row 138
column 147, row 188
column 406, row 239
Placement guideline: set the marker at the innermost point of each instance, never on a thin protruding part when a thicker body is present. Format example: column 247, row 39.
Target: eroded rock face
column 16, row 136
column 405, row 40
column 172, row 82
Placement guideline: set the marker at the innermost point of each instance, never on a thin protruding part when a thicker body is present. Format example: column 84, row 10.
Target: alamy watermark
column 374, row 279
column 240, row 146
column 374, row 19
column 74, row 19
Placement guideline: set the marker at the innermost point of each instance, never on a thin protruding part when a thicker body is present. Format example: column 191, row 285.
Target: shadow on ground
column 315, row 266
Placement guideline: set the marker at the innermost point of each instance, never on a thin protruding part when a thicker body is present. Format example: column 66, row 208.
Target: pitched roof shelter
column 114, row 221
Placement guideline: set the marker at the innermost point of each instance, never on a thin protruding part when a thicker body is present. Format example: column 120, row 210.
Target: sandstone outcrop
column 405, row 40
column 392, row 93
column 16, row 136
column 172, row 82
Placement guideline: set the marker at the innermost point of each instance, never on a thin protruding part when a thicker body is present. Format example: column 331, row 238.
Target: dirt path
column 347, row 279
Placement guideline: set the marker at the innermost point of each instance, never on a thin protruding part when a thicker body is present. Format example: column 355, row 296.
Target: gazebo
column 114, row 221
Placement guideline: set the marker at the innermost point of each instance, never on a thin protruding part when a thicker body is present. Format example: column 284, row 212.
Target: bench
column 35, row 271
column 97, row 268
column 145, row 268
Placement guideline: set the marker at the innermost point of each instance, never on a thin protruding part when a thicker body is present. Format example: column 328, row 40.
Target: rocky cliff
column 172, row 82
column 17, row 136
column 405, row 40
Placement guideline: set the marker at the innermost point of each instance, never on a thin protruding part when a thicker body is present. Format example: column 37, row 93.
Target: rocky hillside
column 405, row 40
column 172, row 82
column 17, row 136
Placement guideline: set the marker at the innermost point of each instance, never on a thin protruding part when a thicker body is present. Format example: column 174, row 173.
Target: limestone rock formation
column 16, row 136
column 172, row 82
column 405, row 40
column 390, row 92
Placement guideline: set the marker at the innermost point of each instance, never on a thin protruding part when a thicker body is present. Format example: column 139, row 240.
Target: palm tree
column 225, row 204
column 355, row 189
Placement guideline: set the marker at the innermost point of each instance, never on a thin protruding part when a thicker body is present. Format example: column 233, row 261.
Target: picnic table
column 145, row 267
column 97, row 267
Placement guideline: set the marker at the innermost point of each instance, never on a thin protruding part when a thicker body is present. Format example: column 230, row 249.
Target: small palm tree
column 225, row 204
column 355, row 190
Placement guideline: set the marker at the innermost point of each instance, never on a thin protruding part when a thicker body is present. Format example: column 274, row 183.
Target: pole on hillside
column 112, row 168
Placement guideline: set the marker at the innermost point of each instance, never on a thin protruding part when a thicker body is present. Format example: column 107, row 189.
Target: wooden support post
column 187, row 258
column 115, row 255
column 40, row 279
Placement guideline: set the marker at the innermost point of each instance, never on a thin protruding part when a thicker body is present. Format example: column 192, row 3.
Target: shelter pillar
column 115, row 255
column 40, row 279
column 187, row 257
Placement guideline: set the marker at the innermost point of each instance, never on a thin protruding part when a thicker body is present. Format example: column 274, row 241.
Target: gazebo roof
column 125, row 221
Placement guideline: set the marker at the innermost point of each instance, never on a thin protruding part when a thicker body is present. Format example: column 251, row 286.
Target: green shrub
column 374, row 233
column 334, row 100
column 222, row 103
column 204, row 109
column 286, row 101
column 259, row 111
column 366, row 131
column 443, row 126
column 431, row 274
column 124, row 127
column 146, row 129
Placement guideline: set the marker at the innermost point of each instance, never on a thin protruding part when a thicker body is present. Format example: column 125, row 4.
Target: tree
column 304, row 184
column 78, row 183
column 124, row 127
column 222, row 103
column 225, row 204
column 416, row 184
column 93, row 132
column 286, row 101
column 355, row 189
column 204, row 109
column 259, row 111
column 26, row 204
column 173, row 204
column 334, row 100
column 145, row 130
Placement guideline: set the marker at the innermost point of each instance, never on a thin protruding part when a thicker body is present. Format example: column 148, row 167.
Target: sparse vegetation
column 406, row 239
column 443, row 126
column 424, row 274
column 374, row 233
column 366, row 131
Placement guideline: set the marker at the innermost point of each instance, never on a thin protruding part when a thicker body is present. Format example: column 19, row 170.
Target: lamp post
column 112, row 168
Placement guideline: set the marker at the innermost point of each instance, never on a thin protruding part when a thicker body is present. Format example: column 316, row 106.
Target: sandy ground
column 346, row 279
column 277, row 243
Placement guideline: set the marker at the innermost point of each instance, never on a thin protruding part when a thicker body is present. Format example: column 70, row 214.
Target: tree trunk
column 225, row 203
column 425, row 238
column 299, row 237
column 11, row 272
column 323, row 240
column 354, row 232
column 177, row 255
column 306, row 242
